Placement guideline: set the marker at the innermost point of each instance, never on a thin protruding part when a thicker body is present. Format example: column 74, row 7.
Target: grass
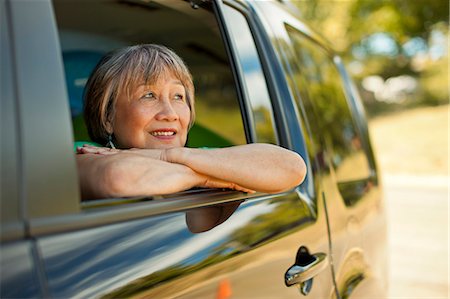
column 413, row 142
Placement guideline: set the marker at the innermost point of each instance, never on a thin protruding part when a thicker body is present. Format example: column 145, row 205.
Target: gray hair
column 122, row 71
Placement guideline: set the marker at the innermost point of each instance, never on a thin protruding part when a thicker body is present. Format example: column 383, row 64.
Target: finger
column 91, row 146
column 242, row 189
column 107, row 151
column 87, row 150
column 97, row 150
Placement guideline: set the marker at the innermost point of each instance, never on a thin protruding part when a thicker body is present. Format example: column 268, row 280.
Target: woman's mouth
column 163, row 133
column 158, row 133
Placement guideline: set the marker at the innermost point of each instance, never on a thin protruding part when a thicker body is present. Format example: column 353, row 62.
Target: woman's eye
column 179, row 97
column 149, row 95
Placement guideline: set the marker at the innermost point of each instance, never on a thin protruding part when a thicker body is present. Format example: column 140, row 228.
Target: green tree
column 388, row 39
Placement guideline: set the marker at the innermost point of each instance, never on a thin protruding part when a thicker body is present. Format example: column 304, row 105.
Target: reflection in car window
column 253, row 76
column 89, row 29
column 327, row 108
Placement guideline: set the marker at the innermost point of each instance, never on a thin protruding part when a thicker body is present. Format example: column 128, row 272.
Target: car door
column 148, row 246
column 338, row 141
column 19, row 274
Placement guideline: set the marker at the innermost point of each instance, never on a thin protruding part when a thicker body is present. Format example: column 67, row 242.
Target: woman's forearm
column 116, row 173
column 261, row 167
column 124, row 175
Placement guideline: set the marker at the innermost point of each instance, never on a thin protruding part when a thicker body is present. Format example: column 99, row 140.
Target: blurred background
column 397, row 52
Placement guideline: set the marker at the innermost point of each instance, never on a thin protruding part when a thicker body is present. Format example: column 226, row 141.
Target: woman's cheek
column 186, row 116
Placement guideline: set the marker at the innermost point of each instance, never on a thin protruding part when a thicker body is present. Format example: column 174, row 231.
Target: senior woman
column 139, row 103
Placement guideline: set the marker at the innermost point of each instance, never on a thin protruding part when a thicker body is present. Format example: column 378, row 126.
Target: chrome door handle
column 298, row 274
column 306, row 267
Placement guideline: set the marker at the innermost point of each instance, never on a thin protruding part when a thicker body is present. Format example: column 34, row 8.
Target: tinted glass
column 253, row 76
column 326, row 107
column 89, row 29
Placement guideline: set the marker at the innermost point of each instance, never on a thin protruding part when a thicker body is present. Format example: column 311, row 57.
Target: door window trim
column 107, row 211
column 38, row 97
column 12, row 226
column 101, row 213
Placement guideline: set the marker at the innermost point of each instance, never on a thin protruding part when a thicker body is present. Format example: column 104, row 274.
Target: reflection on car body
column 261, row 75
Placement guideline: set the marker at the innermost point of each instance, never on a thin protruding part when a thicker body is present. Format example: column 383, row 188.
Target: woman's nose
column 167, row 112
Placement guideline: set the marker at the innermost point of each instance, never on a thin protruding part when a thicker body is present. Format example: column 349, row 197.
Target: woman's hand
column 124, row 173
column 157, row 154
column 134, row 172
column 90, row 149
column 211, row 182
column 247, row 168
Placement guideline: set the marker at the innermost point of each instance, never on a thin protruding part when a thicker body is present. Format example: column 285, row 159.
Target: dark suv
column 261, row 75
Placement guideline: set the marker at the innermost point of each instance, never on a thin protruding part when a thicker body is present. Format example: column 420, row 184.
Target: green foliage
column 402, row 18
column 199, row 136
column 223, row 120
column 435, row 83
column 352, row 25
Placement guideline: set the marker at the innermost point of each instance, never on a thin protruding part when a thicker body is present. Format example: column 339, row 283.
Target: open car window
column 90, row 29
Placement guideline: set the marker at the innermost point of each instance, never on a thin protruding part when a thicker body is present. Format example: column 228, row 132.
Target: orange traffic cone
column 224, row 289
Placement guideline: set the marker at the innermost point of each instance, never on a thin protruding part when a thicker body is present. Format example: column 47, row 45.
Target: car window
column 89, row 29
column 327, row 109
column 252, row 76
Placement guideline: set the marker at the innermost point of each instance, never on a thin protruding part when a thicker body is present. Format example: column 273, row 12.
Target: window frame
column 242, row 74
column 67, row 212
column 43, row 114
column 358, row 113
column 353, row 104
column 268, row 57
column 11, row 202
column 351, row 191
column 267, row 34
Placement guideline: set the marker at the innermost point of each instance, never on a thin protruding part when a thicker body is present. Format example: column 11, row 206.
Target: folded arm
column 117, row 173
column 126, row 173
column 261, row 167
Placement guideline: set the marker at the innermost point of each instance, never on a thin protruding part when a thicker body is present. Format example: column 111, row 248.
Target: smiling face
column 155, row 115
column 142, row 96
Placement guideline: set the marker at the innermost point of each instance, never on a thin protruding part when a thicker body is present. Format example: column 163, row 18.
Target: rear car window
column 328, row 111
column 90, row 29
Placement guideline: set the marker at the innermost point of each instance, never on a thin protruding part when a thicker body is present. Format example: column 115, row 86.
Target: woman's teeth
column 162, row 133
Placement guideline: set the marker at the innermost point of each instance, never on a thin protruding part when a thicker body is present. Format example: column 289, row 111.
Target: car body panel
column 149, row 247
column 357, row 217
column 19, row 271
column 160, row 256
column 41, row 92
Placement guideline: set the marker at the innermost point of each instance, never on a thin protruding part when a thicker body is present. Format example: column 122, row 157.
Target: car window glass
column 253, row 76
column 327, row 108
column 89, row 29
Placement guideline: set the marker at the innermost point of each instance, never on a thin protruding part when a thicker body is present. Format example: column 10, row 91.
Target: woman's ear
column 109, row 123
column 109, row 127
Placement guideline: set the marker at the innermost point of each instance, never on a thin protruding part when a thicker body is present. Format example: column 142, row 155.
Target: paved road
column 418, row 209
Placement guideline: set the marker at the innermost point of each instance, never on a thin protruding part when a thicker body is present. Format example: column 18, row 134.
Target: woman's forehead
column 172, row 83
column 157, row 80
column 139, row 83
column 155, row 76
